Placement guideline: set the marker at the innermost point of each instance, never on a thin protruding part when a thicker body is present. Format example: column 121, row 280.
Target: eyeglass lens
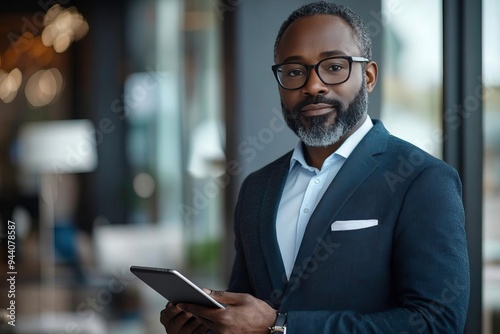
column 331, row 71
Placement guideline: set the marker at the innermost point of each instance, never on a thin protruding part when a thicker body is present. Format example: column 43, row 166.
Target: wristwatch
column 280, row 324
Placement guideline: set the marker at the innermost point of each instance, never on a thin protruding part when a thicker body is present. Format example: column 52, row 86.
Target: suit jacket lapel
column 267, row 224
column 360, row 164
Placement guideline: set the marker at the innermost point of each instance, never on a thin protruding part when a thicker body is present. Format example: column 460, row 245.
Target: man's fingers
column 228, row 298
column 194, row 309
column 190, row 326
column 203, row 313
column 201, row 329
column 169, row 312
column 176, row 321
column 218, row 293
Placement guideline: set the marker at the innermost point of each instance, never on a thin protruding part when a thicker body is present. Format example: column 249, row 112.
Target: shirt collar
column 343, row 151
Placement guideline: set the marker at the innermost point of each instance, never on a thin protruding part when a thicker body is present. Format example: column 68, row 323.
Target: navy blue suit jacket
column 408, row 274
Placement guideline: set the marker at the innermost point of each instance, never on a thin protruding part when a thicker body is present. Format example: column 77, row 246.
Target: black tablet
column 174, row 286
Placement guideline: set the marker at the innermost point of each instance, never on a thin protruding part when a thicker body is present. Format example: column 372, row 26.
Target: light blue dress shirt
column 304, row 187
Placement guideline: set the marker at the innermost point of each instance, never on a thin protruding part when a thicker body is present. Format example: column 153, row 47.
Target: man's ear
column 371, row 72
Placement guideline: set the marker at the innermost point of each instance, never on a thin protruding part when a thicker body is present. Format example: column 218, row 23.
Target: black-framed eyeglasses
column 331, row 71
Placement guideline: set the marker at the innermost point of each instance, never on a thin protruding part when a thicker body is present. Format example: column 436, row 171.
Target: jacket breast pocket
column 353, row 230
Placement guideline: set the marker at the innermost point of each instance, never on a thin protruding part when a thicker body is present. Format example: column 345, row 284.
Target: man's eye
column 295, row 73
column 335, row 68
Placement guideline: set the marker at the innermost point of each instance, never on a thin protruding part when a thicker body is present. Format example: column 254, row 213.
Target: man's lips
column 317, row 109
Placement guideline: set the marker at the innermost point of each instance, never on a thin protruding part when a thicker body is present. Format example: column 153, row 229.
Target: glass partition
column 491, row 171
column 175, row 140
column 412, row 72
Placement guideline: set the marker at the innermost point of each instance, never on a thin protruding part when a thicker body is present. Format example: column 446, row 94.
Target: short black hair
column 361, row 35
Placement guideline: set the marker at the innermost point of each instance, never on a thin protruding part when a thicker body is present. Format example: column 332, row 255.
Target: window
column 412, row 72
column 491, row 170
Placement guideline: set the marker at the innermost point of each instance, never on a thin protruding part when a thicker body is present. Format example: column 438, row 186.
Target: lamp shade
column 58, row 147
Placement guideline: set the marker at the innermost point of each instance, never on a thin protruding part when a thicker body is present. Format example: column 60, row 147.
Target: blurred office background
column 128, row 126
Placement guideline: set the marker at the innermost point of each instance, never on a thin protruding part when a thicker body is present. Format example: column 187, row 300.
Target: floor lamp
column 52, row 149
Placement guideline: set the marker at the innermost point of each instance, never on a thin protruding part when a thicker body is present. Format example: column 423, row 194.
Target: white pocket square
column 348, row 225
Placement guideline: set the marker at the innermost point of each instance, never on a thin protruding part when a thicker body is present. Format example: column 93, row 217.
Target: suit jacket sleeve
column 430, row 267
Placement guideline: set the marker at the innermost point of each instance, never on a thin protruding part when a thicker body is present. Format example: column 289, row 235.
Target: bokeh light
column 62, row 27
column 144, row 185
column 43, row 86
column 9, row 84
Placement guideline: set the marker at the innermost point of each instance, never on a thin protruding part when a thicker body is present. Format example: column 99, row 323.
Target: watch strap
column 280, row 324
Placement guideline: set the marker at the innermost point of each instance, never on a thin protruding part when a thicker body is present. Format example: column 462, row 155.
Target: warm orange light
column 62, row 27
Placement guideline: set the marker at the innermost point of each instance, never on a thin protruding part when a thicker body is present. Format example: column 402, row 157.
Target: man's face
column 318, row 113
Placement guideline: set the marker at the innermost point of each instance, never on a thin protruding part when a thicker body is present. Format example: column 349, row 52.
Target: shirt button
column 317, row 181
column 306, row 210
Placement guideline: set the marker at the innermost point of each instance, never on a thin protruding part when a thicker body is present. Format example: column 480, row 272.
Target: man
column 354, row 231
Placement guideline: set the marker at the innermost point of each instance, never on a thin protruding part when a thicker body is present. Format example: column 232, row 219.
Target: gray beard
column 320, row 133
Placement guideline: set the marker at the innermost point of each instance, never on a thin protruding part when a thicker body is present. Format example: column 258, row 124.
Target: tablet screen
column 174, row 286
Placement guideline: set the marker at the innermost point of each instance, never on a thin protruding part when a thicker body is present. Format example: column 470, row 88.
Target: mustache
column 339, row 107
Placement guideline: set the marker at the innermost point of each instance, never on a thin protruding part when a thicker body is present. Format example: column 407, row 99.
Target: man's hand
column 243, row 314
column 176, row 321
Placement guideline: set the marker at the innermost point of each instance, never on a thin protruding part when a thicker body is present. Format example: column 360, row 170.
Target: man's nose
column 314, row 86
